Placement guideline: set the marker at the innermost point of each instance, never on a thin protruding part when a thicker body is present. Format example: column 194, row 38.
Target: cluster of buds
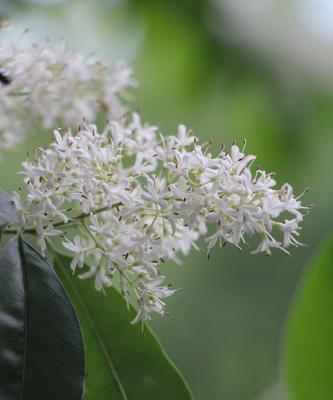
column 140, row 198
column 46, row 86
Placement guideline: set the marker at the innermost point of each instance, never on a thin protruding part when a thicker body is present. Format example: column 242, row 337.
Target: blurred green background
column 229, row 69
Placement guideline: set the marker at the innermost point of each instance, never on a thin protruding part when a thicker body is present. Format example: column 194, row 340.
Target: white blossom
column 79, row 251
column 45, row 85
column 142, row 198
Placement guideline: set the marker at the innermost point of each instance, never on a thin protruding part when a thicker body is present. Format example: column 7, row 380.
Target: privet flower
column 140, row 198
column 49, row 86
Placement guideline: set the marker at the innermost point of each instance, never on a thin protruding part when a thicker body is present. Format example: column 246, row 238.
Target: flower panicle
column 44, row 85
column 142, row 198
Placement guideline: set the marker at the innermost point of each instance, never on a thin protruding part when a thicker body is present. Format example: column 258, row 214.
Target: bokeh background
column 229, row 69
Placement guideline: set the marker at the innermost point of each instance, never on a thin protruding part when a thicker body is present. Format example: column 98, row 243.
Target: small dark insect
column 4, row 79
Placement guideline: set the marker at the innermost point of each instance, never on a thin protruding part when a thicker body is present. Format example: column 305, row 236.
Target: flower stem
column 61, row 224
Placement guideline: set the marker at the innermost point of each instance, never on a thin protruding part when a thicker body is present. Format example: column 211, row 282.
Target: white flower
column 290, row 229
column 45, row 232
column 139, row 198
column 266, row 244
column 79, row 251
column 48, row 84
column 19, row 207
column 142, row 200
column 151, row 295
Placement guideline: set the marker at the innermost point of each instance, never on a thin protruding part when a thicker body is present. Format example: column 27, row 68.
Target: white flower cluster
column 140, row 198
column 50, row 86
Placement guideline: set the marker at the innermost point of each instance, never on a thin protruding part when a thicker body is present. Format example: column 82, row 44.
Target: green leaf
column 121, row 363
column 308, row 351
column 7, row 210
column 41, row 347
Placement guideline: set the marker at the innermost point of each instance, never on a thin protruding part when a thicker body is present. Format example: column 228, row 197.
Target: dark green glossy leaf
column 41, row 347
column 7, row 210
column 121, row 363
column 308, row 352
